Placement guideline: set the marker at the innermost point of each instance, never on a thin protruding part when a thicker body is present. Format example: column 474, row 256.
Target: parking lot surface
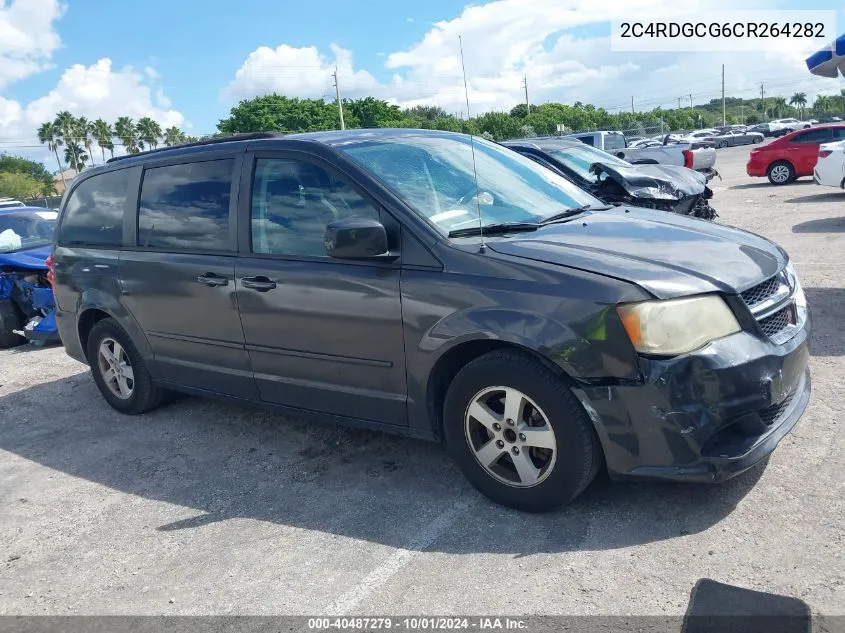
column 207, row 508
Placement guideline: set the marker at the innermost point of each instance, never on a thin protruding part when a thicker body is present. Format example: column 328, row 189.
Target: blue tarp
column 830, row 61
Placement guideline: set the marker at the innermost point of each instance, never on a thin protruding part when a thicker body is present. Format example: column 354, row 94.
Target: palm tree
column 86, row 131
column 124, row 129
column 821, row 104
column 48, row 133
column 780, row 103
column 75, row 156
column 799, row 99
column 173, row 136
column 149, row 131
column 66, row 124
column 103, row 133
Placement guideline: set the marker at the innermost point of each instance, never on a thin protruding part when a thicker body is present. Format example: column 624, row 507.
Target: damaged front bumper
column 706, row 416
column 32, row 298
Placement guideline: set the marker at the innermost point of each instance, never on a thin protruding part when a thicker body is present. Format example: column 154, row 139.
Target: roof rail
column 209, row 141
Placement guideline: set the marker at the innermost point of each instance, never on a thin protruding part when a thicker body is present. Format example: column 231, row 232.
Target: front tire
column 10, row 320
column 119, row 371
column 780, row 172
column 518, row 433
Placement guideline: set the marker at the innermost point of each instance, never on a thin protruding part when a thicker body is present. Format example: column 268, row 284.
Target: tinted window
column 292, row 204
column 838, row 134
column 588, row 140
column 614, row 141
column 186, row 206
column 812, row 136
column 94, row 212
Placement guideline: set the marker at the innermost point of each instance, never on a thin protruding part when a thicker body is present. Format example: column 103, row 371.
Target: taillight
column 825, row 152
column 687, row 158
column 51, row 271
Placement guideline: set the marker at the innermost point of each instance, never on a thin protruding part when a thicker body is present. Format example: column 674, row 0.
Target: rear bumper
column 707, row 416
column 755, row 169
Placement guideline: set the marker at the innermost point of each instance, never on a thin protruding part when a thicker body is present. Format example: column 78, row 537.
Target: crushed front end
column 27, row 307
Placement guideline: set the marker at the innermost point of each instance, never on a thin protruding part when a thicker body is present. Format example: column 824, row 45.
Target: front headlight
column 677, row 326
column 797, row 290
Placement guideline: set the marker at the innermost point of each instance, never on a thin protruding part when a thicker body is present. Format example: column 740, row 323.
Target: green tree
column 149, row 131
column 66, row 124
column 75, row 156
column 19, row 185
column 31, row 168
column 428, row 113
column 779, row 105
column 519, row 111
column 50, row 134
column 173, row 136
column 275, row 113
column 370, row 112
column 124, row 129
column 799, row 99
column 103, row 134
column 821, row 104
column 85, row 128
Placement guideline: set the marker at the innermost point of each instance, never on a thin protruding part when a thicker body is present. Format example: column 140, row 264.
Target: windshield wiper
column 568, row 213
column 495, row 229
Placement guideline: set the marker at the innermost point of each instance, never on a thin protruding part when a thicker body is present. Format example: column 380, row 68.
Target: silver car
column 735, row 137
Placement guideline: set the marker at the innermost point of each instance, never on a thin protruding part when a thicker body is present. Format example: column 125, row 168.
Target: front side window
column 94, row 212
column 436, row 176
column 186, row 206
column 293, row 202
column 27, row 230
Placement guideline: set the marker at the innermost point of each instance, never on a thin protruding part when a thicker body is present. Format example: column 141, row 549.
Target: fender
column 96, row 299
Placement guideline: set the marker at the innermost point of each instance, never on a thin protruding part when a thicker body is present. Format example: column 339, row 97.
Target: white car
column 830, row 167
column 788, row 125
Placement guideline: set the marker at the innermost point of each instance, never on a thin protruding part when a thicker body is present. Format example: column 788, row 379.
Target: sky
column 187, row 62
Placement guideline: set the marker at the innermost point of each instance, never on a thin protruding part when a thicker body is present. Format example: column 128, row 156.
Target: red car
column 792, row 156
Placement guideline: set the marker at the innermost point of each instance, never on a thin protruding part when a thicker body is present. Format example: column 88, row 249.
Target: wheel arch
column 94, row 307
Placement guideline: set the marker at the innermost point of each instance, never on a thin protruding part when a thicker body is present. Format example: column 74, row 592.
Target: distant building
column 62, row 178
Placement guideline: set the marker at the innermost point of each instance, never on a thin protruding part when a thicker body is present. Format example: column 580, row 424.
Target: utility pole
column 742, row 110
column 690, row 100
column 724, row 119
column 632, row 104
column 761, row 91
column 527, row 105
column 679, row 103
column 339, row 102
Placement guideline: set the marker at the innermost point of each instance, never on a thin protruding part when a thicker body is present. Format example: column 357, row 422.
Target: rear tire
column 132, row 391
column 522, row 471
column 10, row 320
column 781, row 172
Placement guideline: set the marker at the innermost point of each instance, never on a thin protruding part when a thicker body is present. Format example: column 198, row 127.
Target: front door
column 178, row 281
column 322, row 334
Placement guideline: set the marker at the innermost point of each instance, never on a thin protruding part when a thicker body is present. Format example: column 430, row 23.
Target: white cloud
column 96, row 91
column 555, row 43
column 27, row 37
column 298, row 72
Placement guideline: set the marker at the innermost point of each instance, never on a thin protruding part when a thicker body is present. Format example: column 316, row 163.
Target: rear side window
column 94, row 212
column 813, row 136
column 838, row 133
column 586, row 139
column 186, row 206
column 614, row 141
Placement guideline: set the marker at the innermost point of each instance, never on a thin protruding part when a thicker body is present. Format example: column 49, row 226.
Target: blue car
column 27, row 309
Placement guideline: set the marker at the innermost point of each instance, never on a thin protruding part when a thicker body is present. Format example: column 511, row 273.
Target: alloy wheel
column 510, row 436
column 115, row 368
column 780, row 173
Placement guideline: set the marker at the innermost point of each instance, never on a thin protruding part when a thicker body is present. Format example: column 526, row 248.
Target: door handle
column 259, row 283
column 210, row 279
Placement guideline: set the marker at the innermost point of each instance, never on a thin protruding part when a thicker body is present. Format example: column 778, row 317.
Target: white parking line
column 427, row 536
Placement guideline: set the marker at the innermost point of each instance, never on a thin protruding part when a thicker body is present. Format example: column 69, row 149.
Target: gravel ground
column 207, row 508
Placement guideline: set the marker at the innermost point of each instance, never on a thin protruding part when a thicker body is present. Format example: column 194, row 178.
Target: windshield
column 579, row 159
column 434, row 175
column 24, row 231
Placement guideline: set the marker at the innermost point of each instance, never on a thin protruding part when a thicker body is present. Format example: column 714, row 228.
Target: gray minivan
column 438, row 286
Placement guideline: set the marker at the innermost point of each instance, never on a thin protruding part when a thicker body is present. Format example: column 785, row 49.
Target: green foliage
column 30, row 168
column 19, row 185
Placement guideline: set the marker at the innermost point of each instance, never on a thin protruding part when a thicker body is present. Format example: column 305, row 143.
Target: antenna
column 483, row 248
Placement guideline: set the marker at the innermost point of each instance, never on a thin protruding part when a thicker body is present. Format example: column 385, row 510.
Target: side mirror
column 357, row 238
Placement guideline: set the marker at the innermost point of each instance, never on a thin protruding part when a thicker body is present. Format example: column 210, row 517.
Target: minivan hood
column 666, row 254
column 661, row 182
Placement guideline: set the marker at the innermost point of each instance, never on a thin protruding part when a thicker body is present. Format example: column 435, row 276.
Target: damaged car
column 26, row 296
column 615, row 181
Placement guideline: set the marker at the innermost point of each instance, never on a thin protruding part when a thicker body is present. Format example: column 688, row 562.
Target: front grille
column 761, row 292
column 777, row 322
column 772, row 413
